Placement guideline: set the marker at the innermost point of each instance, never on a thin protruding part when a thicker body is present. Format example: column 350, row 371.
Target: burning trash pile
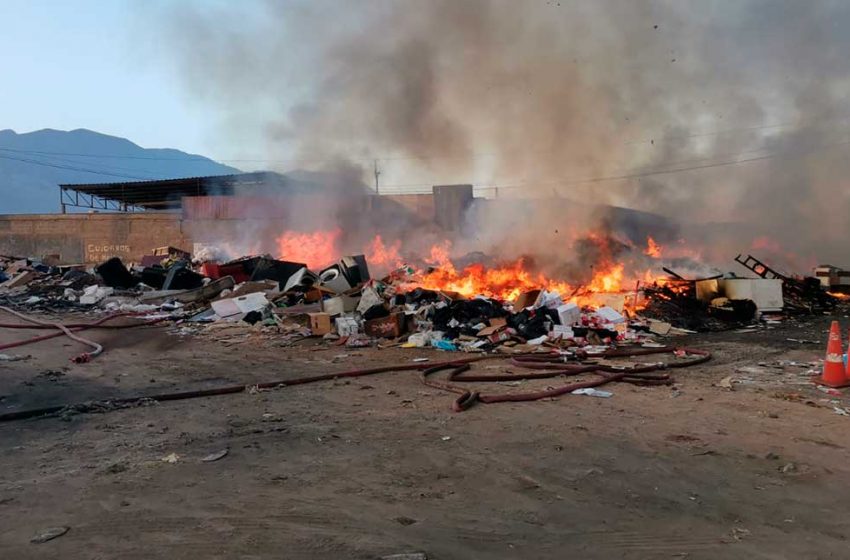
column 472, row 308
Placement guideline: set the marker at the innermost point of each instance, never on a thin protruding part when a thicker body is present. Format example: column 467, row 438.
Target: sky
column 94, row 64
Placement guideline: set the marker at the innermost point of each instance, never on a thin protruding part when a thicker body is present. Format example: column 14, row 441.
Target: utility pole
column 377, row 175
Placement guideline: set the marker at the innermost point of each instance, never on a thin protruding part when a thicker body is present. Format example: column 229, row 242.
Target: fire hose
column 550, row 366
column 553, row 366
column 67, row 330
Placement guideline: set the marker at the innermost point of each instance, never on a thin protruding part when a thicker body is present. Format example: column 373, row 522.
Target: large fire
column 316, row 250
column 504, row 281
column 382, row 255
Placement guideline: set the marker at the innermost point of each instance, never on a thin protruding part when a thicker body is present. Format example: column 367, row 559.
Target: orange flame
column 380, row 254
column 439, row 255
column 508, row 281
column 316, row 250
column 653, row 249
column 505, row 281
column 610, row 280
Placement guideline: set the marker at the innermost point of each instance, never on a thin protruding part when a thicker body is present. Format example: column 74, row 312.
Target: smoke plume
column 722, row 116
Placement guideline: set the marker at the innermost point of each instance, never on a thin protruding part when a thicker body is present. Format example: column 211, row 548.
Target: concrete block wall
column 93, row 238
column 90, row 238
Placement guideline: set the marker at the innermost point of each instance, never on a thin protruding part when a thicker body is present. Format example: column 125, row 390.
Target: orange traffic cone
column 833, row 366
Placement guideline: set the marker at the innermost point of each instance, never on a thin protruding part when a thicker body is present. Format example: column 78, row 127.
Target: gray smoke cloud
column 725, row 116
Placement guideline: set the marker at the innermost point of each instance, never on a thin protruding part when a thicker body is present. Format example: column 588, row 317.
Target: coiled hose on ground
column 549, row 365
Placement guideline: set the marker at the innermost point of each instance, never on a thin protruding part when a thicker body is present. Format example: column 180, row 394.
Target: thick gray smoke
column 722, row 115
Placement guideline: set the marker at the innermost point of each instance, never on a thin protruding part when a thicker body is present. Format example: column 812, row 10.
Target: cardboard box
column 569, row 314
column 172, row 252
column 610, row 315
column 496, row 324
column 391, row 326
column 320, row 323
column 347, row 326
column 614, row 301
column 340, row 305
column 526, row 299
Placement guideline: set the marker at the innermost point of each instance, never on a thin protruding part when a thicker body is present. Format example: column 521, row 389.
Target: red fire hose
column 552, row 366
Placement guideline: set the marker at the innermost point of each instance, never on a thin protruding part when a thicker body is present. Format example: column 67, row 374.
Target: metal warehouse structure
column 168, row 194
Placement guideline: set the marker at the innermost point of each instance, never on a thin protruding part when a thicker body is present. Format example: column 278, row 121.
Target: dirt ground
column 380, row 465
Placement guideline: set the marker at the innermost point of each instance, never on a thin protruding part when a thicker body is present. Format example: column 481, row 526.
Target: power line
column 677, row 170
column 625, row 176
column 649, row 173
column 730, row 130
column 73, row 168
column 102, row 166
column 291, row 161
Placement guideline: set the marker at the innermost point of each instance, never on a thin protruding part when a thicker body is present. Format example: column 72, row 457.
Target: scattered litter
column 49, row 534
column 13, row 358
column 591, row 392
column 738, row 533
column 727, row 383
column 171, row 458
column 214, row 456
column 444, row 345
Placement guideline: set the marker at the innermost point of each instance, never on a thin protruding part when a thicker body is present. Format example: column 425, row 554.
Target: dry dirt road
column 380, row 465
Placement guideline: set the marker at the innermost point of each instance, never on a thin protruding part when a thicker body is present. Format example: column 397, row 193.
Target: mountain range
column 34, row 163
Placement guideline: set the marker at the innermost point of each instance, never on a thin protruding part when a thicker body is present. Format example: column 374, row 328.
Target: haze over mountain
column 34, row 163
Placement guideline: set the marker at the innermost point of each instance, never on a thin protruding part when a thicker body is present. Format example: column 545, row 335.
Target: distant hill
column 34, row 163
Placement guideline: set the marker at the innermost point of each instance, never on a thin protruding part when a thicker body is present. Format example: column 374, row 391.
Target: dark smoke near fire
column 725, row 117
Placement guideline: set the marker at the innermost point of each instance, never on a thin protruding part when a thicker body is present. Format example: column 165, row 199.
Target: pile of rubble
column 345, row 305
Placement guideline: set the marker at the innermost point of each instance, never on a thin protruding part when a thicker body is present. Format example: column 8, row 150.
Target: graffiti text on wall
column 97, row 253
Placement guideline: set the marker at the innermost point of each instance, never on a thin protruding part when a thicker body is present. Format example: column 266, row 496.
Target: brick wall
column 90, row 238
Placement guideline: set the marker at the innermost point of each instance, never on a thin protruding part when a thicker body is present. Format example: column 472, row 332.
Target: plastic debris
column 444, row 345
column 215, row 456
column 591, row 392
column 49, row 534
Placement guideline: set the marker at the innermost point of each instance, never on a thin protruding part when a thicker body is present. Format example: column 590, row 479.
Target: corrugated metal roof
column 166, row 194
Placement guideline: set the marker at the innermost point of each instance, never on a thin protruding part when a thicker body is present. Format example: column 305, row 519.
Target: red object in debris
column 215, row 271
column 391, row 326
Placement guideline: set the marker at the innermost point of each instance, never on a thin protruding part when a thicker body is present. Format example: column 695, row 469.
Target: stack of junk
column 345, row 305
